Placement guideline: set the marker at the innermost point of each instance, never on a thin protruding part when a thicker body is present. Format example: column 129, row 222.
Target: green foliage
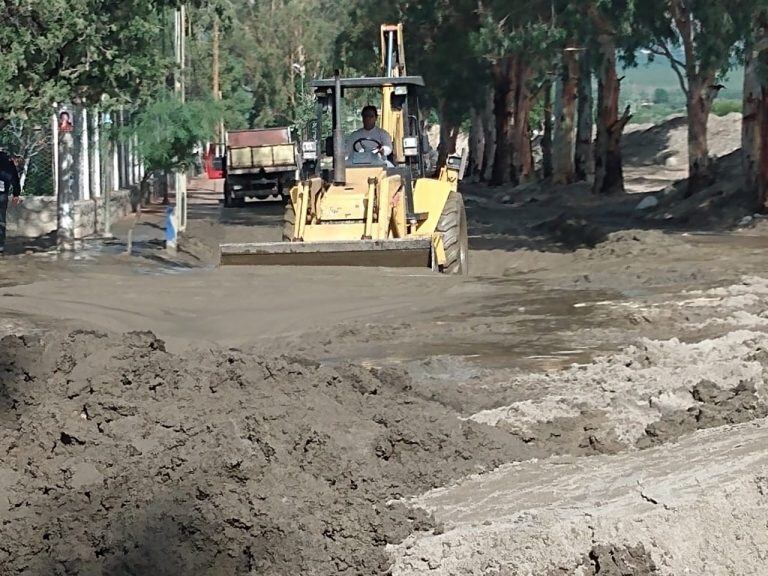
column 660, row 96
column 438, row 46
column 718, row 31
column 60, row 50
column 276, row 47
column 168, row 131
column 725, row 107
column 522, row 28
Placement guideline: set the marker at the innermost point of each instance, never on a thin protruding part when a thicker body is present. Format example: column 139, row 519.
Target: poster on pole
column 65, row 120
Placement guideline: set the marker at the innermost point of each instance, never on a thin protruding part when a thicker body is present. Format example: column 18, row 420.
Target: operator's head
column 369, row 117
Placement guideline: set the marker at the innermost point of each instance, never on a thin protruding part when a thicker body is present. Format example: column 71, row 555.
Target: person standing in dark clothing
column 10, row 187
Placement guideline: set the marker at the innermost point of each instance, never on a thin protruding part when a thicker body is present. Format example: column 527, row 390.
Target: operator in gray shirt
column 370, row 138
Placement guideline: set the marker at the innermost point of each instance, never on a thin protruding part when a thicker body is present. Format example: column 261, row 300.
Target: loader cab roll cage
column 400, row 118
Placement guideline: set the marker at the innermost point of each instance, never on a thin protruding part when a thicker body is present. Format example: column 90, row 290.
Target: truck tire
column 289, row 219
column 453, row 226
column 227, row 196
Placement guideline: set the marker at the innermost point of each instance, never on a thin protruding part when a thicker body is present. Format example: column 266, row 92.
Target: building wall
column 36, row 216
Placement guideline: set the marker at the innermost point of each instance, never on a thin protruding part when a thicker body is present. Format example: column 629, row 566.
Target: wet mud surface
column 122, row 458
column 161, row 415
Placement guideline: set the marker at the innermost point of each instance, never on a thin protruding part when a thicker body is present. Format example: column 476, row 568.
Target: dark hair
column 370, row 108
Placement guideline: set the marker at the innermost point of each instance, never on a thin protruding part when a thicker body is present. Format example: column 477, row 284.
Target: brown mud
column 122, row 458
column 588, row 398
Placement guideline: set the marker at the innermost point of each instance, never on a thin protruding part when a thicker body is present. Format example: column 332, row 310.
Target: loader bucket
column 407, row 252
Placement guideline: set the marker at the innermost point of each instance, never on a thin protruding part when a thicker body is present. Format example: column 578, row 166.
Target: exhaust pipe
column 339, row 150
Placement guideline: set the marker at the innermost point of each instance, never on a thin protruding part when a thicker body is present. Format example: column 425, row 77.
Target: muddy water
column 523, row 328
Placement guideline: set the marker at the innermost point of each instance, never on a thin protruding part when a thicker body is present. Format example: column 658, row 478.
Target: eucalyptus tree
column 699, row 38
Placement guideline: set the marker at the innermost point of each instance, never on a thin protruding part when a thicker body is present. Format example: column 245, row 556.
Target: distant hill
column 653, row 91
column 659, row 74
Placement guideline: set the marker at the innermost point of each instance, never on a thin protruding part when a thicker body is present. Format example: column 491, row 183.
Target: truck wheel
column 289, row 220
column 453, row 226
column 227, row 196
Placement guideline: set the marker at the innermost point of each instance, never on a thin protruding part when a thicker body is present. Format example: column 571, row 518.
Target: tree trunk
column 565, row 113
column 546, row 140
column 584, row 155
column 476, row 142
column 503, row 108
column 609, row 172
column 698, row 105
column 522, row 154
column 489, row 137
column 749, row 124
column 166, row 187
column 762, row 173
column 699, row 96
column 755, row 128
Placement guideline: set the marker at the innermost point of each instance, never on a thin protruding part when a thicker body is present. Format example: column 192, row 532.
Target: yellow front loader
column 356, row 208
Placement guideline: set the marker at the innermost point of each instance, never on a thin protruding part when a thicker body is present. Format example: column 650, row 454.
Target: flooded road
column 593, row 380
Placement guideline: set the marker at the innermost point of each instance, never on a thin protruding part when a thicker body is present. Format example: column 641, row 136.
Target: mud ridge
column 121, row 458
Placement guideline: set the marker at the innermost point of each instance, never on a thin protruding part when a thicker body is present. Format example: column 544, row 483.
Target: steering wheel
column 360, row 142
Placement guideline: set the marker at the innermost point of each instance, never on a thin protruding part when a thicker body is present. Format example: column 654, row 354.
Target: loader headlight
column 309, row 150
column 411, row 146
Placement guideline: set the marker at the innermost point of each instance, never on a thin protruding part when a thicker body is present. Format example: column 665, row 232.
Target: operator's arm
column 386, row 142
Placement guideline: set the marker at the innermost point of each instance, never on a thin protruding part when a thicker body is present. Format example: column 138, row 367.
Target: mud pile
column 121, row 458
column 649, row 394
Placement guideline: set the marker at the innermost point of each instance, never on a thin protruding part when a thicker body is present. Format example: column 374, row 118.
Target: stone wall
column 36, row 216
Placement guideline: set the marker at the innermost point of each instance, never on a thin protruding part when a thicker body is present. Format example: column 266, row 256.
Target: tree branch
column 678, row 66
column 666, row 53
column 621, row 122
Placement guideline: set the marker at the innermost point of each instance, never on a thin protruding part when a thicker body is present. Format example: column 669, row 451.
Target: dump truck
column 354, row 207
column 258, row 163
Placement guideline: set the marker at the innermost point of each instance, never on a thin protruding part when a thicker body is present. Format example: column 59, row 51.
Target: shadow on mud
column 166, row 536
column 171, row 536
column 642, row 147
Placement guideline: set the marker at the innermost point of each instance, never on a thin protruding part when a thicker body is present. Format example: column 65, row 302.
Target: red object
column 213, row 164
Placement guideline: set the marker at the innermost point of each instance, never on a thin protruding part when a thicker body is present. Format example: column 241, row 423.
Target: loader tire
column 453, row 226
column 289, row 219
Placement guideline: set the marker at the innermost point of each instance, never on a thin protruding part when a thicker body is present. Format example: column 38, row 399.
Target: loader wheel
column 289, row 219
column 453, row 226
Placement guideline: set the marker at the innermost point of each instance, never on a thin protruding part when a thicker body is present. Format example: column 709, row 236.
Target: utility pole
column 68, row 179
column 215, row 58
column 84, row 192
column 180, row 211
column 216, row 73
